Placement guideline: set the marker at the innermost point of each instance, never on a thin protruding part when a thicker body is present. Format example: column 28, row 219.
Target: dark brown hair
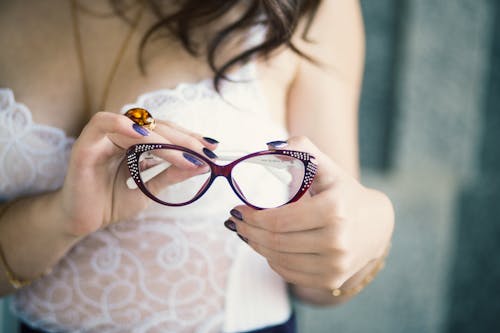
column 279, row 18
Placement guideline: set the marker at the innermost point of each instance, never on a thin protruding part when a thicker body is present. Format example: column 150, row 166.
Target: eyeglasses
column 176, row 176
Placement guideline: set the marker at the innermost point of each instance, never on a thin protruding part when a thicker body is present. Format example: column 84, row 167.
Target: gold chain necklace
column 114, row 66
column 90, row 11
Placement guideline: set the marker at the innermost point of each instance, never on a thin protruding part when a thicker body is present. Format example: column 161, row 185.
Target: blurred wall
column 475, row 289
column 430, row 138
column 8, row 324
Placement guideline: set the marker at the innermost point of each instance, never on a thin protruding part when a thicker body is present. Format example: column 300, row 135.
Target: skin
column 330, row 239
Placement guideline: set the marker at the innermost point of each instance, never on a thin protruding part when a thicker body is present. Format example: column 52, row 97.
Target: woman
column 87, row 253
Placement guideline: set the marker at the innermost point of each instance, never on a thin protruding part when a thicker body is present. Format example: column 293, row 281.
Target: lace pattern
column 165, row 270
column 168, row 280
column 33, row 157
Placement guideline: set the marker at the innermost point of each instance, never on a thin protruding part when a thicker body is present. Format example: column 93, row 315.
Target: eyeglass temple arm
column 231, row 156
column 152, row 172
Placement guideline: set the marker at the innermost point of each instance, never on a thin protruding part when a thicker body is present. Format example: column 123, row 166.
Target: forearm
column 32, row 237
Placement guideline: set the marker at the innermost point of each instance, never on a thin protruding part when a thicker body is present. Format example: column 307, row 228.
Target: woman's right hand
column 94, row 193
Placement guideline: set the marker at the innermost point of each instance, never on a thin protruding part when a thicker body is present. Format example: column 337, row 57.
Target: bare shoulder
column 336, row 39
column 323, row 98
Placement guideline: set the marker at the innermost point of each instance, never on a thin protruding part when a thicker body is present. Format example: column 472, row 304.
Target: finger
column 106, row 134
column 290, row 242
column 183, row 138
column 112, row 133
column 328, row 171
column 107, row 126
column 299, row 262
column 142, row 117
column 103, row 123
column 208, row 142
column 121, row 132
column 298, row 216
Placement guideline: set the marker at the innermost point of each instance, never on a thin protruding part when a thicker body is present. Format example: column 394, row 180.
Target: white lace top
column 167, row 269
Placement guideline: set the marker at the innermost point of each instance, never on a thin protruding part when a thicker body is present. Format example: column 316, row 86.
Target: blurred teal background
column 430, row 138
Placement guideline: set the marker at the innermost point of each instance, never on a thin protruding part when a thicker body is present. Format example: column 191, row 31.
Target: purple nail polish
column 230, row 225
column 236, row 214
column 210, row 140
column 139, row 129
column 243, row 238
column 192, row 159
column 277, row 144
column 209, row 153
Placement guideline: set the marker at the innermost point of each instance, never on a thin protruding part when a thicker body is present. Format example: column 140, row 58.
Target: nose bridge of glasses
column 225, row 156
column 221, row 170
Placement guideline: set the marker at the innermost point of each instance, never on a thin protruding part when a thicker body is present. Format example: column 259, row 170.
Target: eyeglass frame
column 134, row 152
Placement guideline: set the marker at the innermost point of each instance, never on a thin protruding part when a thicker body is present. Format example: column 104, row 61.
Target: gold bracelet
column 13, row 280
column 337, row 292
column 11, row 277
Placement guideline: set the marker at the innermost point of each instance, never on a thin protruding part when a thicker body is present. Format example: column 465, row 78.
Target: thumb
column 328, row 171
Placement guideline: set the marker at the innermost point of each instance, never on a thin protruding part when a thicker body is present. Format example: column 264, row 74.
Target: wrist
column 32, row 239
column 363, row 277
column 354, row 285
column 67, row 226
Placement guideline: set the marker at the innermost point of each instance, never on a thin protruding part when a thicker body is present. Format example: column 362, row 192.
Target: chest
column 39, row 62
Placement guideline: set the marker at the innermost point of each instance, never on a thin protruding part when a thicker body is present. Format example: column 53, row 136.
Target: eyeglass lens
column 173, row 176
column 268, row 181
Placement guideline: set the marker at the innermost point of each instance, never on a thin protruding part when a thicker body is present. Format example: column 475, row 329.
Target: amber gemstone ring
column 141, row 117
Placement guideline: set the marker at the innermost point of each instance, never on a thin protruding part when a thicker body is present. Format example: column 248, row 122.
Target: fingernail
column 210, row 140
column 277, row 144
column 192, row 159
column 141, row 130
column 243, row 238
column 209, row 153
column 236, row 214
column 230, row 225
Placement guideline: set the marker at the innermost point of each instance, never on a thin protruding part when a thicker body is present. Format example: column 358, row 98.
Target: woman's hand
column 94, row 193
column 321, row 241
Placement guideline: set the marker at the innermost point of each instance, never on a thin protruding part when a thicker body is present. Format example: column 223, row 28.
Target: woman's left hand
column 322, row 240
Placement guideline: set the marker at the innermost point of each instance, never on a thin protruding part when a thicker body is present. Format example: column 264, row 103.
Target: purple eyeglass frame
column 134, row 152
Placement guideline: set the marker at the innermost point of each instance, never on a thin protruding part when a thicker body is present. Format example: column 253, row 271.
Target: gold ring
column 141, row 117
